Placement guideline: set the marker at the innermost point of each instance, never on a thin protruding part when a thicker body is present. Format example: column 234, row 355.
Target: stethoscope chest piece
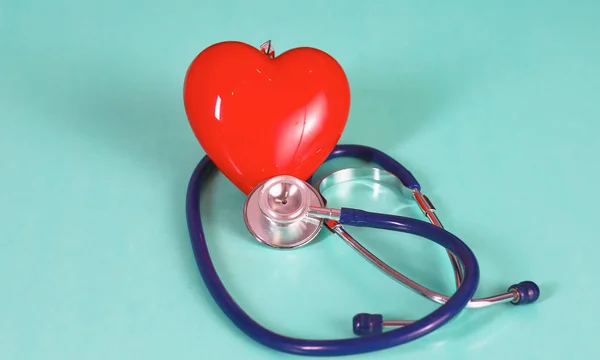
column 275, row 212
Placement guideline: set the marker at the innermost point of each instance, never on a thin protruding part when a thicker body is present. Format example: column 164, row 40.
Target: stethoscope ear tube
column 390, row 172
column 366, row 323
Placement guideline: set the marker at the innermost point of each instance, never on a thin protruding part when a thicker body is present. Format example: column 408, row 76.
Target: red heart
column 258, row 116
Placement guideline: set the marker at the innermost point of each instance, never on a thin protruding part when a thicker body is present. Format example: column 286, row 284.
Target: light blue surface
column 494, row 107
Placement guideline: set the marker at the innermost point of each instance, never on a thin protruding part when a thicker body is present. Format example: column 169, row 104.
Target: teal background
column 492, row 105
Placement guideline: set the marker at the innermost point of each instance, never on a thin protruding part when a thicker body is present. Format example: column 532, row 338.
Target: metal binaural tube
column 430, row 294
column 429, row 211
column 386, row 177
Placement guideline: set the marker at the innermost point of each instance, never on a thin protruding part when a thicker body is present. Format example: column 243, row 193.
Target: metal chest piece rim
column 275, row 212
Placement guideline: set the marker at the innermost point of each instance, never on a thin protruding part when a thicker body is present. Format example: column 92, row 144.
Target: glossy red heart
column 257, row 115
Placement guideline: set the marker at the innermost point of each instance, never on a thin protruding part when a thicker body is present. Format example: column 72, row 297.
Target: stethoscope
column 285, row 212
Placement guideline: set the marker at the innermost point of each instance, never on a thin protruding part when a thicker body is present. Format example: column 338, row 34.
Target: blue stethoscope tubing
column 351, row 217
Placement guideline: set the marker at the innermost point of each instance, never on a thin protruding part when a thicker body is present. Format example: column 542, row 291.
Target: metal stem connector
column 324, row 213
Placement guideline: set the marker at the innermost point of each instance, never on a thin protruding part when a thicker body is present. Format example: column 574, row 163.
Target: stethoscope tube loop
column 464, row 262
column 346, row 346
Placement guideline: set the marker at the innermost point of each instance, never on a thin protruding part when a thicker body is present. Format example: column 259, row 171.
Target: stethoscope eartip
column 526, row 292
column 367, row 324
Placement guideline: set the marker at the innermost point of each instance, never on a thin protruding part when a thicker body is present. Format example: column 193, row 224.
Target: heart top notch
column 257, row 115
